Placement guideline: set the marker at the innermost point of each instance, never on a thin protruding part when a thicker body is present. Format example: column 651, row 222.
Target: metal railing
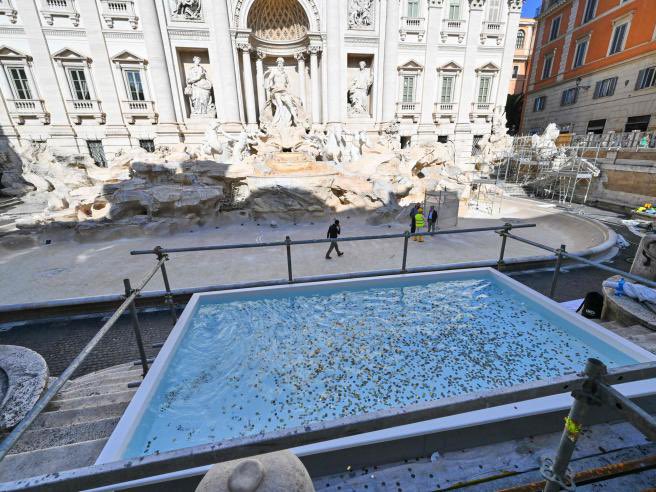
column 121, row 471
column 616, row 140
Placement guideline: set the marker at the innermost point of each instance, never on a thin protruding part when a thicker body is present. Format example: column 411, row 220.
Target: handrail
column 319, row 241
column 11, row 439
column 207, row 454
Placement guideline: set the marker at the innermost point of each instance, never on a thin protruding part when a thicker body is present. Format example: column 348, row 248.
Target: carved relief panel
column 187, row 10
column 361, row 14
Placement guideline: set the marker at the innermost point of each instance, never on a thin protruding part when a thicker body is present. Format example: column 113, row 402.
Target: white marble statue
column 187, row 9
column 359, row 142
column 283, row 109
column 358, row 93
column 360, row 14
column 545, row 145
column 219, row 144
column 199, row 90
column 335, row 147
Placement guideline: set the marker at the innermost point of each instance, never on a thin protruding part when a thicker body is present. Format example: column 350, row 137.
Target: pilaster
column 391, row 60
column 315, row 76
column 512, row 26
column 249, row 88
column 333, row 54
column 429, row 93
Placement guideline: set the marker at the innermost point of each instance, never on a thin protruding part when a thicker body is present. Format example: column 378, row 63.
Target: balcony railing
column 139, row 109
column 21, row 109
column 492, row 30
column 412, row 25
column 6, row 8
column 59, row 8
column 482, row 109
column 408, row 109
column 119, row 10
column 453, row 28
column 79, row 109
column 445, row 110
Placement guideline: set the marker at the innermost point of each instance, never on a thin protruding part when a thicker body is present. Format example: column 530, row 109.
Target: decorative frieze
column 195, row 34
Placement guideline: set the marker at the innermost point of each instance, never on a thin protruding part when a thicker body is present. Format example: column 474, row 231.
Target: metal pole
column 506, row 228
column 556, row 471
column 288, row 246
column 559, row 262
column 406, row 236
column 168, row 297
column 136, row 327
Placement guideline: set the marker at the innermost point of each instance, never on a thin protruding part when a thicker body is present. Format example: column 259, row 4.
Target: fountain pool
column 247, row 362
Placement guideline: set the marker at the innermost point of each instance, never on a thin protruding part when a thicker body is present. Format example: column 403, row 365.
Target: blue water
column 253, row 364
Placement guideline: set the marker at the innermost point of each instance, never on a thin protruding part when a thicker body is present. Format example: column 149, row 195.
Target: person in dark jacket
column 432, row 219
column 333, row 233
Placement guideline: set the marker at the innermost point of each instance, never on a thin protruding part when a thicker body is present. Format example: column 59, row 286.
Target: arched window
column 521, row 38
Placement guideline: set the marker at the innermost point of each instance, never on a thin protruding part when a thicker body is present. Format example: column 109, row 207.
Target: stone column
column 259, row 80
column 249, row 88
column 512, row 26
column 430, row 95
column 61, row 133
column 300, row 58
column 168, row 131
column 116, row 132
column 391, row 60
column 334, row 61
column 222, row 60
column 315, row 77
column 463, row 136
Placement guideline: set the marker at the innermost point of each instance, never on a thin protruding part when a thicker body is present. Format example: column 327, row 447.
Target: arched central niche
column 278, row 20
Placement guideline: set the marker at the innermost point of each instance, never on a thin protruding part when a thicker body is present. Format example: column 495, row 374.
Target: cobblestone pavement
column 59, row 342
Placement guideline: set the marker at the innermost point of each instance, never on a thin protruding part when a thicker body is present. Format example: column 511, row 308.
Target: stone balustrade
column 139, row 109
column 412, row 25
column 445, row 110
column 113, row 10
column 79, row 109
column 408, row 109
column 22, row 109
column 453, row 28
column 59, row 8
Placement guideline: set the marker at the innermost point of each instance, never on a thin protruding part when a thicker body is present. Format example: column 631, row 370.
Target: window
column 521, row 39
column 569, row 96
column 413, row 8
column 78, row 81
column 515, row 71
column 20, row 84
column 97, row 152
column 579, row 55
column 646, row 78
column 539, row 104
column 454, row 9
column 408, row 88
column 596, row 126
column 590, row 9
column 619, row 36
column 637, row 123
column 484, row 87
column 555, row 28
column 443, row 139
column 147, row 145
column 447, row 89
column 605, row 88
column 546, row 68
column 135, row 86
column 493, row 10
column 475, row 148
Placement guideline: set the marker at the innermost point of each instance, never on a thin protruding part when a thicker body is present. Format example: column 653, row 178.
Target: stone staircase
column 73, row 429
column 638, row 334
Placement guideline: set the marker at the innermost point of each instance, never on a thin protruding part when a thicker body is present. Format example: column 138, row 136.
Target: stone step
column 94, row 390
column 62, row 418
column 50, row 460
column 110, row 370
column 91, row 401
column 106, row 380
column 33, row 440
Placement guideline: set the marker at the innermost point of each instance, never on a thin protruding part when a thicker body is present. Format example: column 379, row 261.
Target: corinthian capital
column 515, row 5
column 244, row 47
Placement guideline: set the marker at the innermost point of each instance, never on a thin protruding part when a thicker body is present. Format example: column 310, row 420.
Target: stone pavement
column 70, row 269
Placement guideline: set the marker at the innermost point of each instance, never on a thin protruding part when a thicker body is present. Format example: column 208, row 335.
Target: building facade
column 522, row 58
column 594, row 67
column 99, row 75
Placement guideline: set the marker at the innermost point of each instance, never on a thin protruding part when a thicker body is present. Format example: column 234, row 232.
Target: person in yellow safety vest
column 420, row 223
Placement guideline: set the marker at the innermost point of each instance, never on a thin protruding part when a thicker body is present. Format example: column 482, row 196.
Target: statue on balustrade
column 199, row 90
column 358, row 93
column 187, row 9
column 282, row 109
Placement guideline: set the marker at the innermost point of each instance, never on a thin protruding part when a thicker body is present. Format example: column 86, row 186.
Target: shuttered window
column 454, row 9
column 605, row 88
column 447, row 89
column 555, row 29
column 590, row 9
column 79, row 86
column 484, row 89
column 546, row 68
column 569, row 96
column 413, row 8
column 619, row 34
column 20, row 83
column 646, row 78
column 539, row 104
column 579, row 55
column 408, row 89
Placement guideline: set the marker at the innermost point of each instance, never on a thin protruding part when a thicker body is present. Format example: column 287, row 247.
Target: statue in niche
column 282, row 109
column 360, row 14
column 199, row 90
column 187, row 9
column 358, row 93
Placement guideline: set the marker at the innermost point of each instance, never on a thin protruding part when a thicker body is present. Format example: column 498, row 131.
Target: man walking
column 432, row 219
column 333, row 232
